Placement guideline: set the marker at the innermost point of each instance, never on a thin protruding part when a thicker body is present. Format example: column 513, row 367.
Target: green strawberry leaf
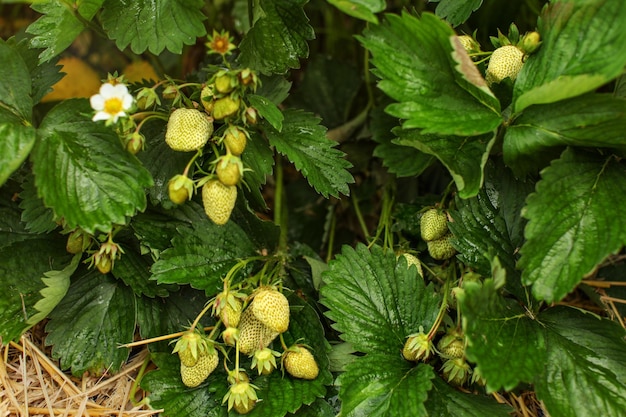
column 464, row 157
column 160, row 316
column 61, row 23
column 17, row 142
column 202, row 255
column 15, row 84
column 378, row 385
column 435, row 84
column 494, row 327
column 36, row 216
column 450, row 402
column 361, row 9
column 134, row 270
column 11, row 228
column 490, row 225
column 584, row 371
column 86, row 328
column 375, row 301
column 80, row 165
column 575, row 31
column 278, row 37
column 22, row 266
column 56, row 285
column 268, row 110
column 588, row 120
column 148, row 26
column 304, row 143
column 456, row 12
column 569, row 235
column 320, row 408
column 401, row 160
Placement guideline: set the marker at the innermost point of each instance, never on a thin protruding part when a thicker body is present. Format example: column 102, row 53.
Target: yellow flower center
column 113, row 105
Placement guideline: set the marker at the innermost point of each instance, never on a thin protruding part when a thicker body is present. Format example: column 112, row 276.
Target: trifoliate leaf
column 22, row 265
column 446, row 401
column 435, row 84
column 456, row 12
column 36, row 216
column 491, row 224
column 268, row 110
column 504, row 341
column 464, row 157
column 83, row 173
column 278, row 38
column 361, row 9
column 60, row 25
column 379, row 385
column 568, row 235
column 146, row 25
column 575, row 31
column 202, row 255
column 56, row 285
column 375, row 301
column 304, row 143
column 584, row 371
column 86, row 328
column 541, row 130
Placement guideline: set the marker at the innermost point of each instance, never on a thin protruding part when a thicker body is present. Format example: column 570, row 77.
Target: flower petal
column 97, row 102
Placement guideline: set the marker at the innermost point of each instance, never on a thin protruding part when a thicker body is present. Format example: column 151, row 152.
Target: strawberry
column 235, row 140
column 441, row 248
column 241, row 396
column 229, row 169
column 271, row 308
column 195, row 375
column 224, row 83
column 530, row 42
column 228, row 307
column 206, row 98
column 188, row 130
column 77, row 242
column 433, row 224
column 219, row 200
column 190, row 346
column 230, row 336
column 264, row 360
column 470, row 44
column 417, row 347
column 180, row 189
column 452, row 345
column 225, row 107
column 253, row 334
column 505, row 62
column 456, row 371
column 299, row 362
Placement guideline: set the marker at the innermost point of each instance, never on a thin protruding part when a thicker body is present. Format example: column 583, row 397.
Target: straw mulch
column 32, row 385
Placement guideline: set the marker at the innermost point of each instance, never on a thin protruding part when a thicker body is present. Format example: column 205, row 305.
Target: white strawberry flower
column 111, row 102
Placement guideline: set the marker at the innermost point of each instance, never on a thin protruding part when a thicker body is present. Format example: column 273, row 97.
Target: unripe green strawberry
column 218, row 200
column 231, row 315
column 241, row 396
column 225, row 107
column 417, row 347
column 441, row 248
column 299, row 362
column 253, row 334
column 264, row 360
column 190, row 346
column 195, row 375
column 433, row 224
column 77, row 242
column 505, row 62
column 188, row 130
column 452, row 345
column 235, row 140
column 230, row 336
column 180, row 189
column 229, row 169
column 469, row 43
column 456, row 371
column 225, row 83
column 206, row 98
column 271, row 308
column 103, row 263
column 530, row 42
